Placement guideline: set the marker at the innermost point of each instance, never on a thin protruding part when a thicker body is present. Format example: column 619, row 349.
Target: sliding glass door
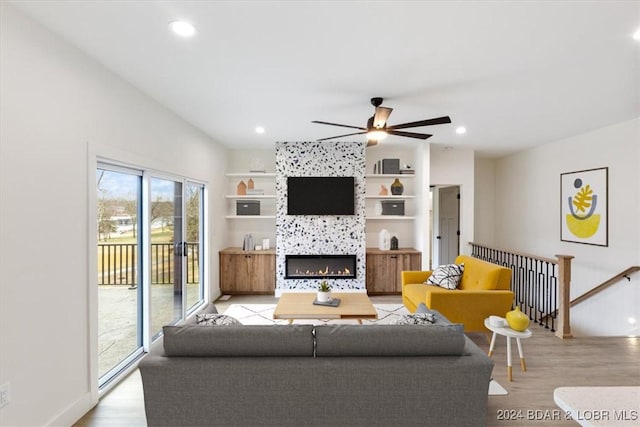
column 194, row 209
column 150, row 233
column 119, row 199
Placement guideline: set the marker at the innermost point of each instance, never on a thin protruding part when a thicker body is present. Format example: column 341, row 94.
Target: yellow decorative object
column 517, row 320
column 583, row 228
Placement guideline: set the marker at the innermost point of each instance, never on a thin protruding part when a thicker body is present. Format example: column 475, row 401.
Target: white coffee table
column 509, row 333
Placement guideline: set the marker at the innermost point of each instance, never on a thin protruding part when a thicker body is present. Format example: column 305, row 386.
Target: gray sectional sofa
column 304, row 375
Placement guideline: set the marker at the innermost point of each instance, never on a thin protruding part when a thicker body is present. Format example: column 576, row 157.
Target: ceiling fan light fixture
column 461, row 130
column 376, row 135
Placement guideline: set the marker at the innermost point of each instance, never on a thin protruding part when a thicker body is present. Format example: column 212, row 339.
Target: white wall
column 57, row 109
column 457, row 167
column 485, row 199
column 528, row 219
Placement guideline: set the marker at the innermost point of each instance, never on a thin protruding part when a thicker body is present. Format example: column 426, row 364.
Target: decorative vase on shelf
column 250, row 184
column 517, row 320
column 242, row 189
column 397, row 188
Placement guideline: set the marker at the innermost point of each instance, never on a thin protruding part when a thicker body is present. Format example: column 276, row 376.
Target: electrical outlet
column 5, row 394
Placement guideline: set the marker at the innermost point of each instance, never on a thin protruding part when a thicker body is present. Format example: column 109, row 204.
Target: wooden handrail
column 524, row 254
column 565, row 304
column 604, row 285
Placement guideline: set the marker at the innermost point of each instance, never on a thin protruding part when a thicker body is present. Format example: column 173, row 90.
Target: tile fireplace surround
column 320, row 234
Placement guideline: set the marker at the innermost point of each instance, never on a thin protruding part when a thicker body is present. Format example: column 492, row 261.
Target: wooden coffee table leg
column 290, row 321
column 359, row 321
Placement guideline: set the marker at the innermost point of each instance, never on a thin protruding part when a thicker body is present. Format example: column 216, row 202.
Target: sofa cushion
column 439, row 318
column 209, row 308
column 446, row 276
column 211, row 319
column 483, row 275
column 389, row 340
column 248, row 340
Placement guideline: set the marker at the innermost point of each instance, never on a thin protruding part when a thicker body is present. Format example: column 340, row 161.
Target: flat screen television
column 320, row 195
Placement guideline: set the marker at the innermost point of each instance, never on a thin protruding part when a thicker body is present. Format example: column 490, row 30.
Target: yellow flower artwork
column 584, row 193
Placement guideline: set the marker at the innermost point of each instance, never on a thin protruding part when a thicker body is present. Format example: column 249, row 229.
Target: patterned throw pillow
column 446, row 276
column 416, row 319
column 209, row 319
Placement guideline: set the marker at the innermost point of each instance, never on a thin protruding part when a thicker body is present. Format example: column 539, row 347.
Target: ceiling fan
column 377, row 128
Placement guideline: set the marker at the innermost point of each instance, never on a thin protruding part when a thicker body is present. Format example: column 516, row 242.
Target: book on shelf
column 257, row 171
column 407, row 172
column 255, row 191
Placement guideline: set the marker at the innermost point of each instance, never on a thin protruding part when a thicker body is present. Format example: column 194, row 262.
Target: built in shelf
column 389, row 197
column 383, row 175
column 250, row 217
column 251, row 174
column 391, row 217
column 250, row 196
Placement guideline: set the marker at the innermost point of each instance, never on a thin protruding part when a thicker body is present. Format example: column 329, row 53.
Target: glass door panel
column 166, row 266
column 193, row 247
column 119, row 290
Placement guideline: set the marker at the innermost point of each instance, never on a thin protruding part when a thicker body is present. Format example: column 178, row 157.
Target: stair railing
column 541, row 285
column 604, row 285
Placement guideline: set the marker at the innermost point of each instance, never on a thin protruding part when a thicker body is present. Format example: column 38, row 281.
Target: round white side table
column 509, row 333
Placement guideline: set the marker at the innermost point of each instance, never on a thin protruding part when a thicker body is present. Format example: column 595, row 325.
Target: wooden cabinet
column 384, row 268
column 247, row 272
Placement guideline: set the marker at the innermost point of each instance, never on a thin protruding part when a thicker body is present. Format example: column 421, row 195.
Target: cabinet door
column 263, row 273
column 235, row 274
column 381, row 273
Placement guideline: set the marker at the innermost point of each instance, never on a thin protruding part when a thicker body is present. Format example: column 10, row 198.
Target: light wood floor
column 551, row 363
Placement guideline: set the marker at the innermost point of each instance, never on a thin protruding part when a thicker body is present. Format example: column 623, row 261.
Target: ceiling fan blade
column 381, row 116
column 336, row 124
column 429, row 122
column 340, row 136
column 409, row 134
column 371, row 142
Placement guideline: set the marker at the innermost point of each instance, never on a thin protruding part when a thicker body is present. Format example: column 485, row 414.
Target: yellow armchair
column 483, row 291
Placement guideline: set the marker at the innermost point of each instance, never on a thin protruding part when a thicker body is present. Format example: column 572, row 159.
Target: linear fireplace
column 320, row 266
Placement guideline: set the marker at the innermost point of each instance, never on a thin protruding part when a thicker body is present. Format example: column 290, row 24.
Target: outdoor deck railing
column 118, row 263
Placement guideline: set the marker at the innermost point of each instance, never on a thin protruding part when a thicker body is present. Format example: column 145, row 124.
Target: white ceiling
column 516, row 74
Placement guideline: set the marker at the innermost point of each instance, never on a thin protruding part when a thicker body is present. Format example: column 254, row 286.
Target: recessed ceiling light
column 460, row 130
column 636, row 35
column 182, row 28
column 259, row 129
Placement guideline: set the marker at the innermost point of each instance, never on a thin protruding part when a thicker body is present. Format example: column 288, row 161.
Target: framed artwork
column 584, row 210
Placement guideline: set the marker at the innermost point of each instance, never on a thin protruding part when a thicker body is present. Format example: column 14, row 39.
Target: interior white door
column 448, row 238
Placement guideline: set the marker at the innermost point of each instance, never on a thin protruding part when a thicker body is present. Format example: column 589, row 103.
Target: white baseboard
column 70, row 415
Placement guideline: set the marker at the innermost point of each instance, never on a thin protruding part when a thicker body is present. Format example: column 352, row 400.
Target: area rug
column 262, row 314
